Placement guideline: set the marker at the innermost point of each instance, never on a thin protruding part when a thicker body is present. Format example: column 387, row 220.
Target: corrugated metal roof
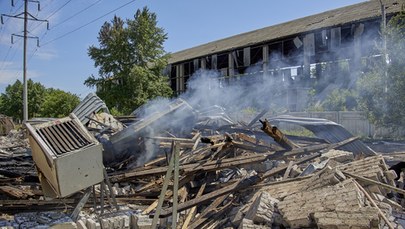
column 91, row 103
column 341, row 16
column 328, row 130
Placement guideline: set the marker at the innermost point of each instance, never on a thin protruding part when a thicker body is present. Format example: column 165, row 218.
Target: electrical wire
column 8, row 18
column 54, row 12
column 94, row 20
column 5, row 58
column 74, row 15
column 58, row 9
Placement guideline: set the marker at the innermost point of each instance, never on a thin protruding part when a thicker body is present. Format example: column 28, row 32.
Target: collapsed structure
column 216, row 173
column 183, row 166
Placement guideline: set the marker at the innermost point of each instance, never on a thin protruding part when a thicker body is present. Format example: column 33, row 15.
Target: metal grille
column 63, row 137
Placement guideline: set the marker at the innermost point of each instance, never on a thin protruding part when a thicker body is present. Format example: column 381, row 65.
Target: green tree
column 42, row 102
column 340, row 100
column 382, row 89
column 58, row 103
column 12, row 102
column 131, row 60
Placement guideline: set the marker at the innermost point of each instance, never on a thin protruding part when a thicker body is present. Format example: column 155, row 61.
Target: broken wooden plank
column 277, row 135
column 386, row 186
column 16, row 192
column 193, row 209
column 175, row 184
column 165, row 185
column 288, row 170
column 374, row 204
column 213, row 217
column 279, row 169
column 222, row 163
column 206, row 213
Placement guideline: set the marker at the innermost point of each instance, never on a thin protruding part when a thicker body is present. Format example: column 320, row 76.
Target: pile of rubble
column 210, row 172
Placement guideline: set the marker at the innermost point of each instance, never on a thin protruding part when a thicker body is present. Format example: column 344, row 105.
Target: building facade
column 299, row 51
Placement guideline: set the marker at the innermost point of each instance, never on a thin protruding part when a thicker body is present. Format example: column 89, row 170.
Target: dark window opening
column 208, row 64
column 222, row 63
column 256, row 55
column 173, row 78
column 346, row 35
column 238, row 63
column 188, row 71
column 292, row 48
column 275, row 51
column 322, row 41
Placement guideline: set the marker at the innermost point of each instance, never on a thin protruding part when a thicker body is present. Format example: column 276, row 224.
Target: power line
column 74, row 15
column 5, row 58
column 58, row 9
column 2, row 28
column 46, row 43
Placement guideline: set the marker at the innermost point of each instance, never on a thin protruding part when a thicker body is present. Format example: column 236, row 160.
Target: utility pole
column 384, row 37
column 27, row 16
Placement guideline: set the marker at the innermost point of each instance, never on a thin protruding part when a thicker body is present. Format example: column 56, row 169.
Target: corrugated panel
column 327, row 130
column 91, row 103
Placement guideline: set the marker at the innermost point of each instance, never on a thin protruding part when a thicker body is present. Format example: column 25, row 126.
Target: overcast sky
column 62, row 62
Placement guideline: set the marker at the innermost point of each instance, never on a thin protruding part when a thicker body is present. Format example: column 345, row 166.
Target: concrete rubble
column 213, row 172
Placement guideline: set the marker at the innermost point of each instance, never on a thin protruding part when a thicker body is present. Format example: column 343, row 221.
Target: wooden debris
column 213, row 174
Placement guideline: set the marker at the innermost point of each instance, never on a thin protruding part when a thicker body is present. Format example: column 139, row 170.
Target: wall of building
column 296, row 60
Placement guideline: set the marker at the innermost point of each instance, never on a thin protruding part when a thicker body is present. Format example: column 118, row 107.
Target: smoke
column 257, row 90
column 205, row 89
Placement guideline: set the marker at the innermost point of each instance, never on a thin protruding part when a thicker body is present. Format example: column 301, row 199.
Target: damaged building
column 184, row 164
column 297, row 52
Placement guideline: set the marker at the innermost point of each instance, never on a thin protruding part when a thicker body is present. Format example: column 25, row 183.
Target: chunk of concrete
column 338, row 155
column 262, row 209
column 141, row 222
column 66, row 225
column 81, row 224
column 248, row 224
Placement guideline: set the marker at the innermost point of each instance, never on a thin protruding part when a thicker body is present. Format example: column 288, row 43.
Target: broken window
column 222, row 63
column 208, row 64
column 256, row 55
column 322, row 41
column 347, row 35
column 188, row 71
column 173, row 77
column 292, row 47
column 238, row 61
column 275, row 51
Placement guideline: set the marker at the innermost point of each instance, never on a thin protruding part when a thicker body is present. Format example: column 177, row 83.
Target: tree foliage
column 12, row 99
column 341, row 100
column 42, row 102
column 382, row 90
column 131, row 60
column 58, row 103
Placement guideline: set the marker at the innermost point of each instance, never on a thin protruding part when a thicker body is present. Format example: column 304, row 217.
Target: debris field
column 198, row 170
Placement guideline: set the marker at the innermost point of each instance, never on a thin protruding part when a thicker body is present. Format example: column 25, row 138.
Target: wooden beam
column 193, row 209
column 205, row 214
column 201, row 199
column 374, row 204
column 386, row 186
column 175, row 184
column 279, row 169
column 164, row 189
column 223, row 163
column 288, row 170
